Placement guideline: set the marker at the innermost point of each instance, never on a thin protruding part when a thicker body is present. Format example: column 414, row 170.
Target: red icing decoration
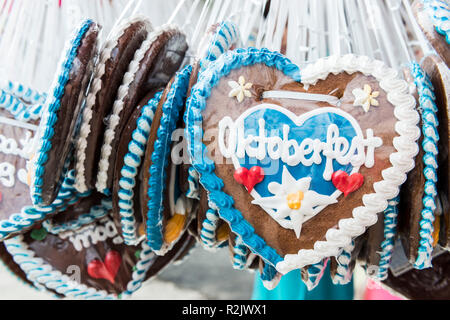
column 249, row 178
column 345, row 183
column 105, row 270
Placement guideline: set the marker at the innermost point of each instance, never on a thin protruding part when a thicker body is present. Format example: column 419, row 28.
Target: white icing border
column 393, row 177
column 114, row 118
column 96, row 85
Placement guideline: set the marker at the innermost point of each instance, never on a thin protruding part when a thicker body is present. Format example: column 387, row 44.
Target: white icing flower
column 365, row 98
column 292, row 198
column 240, row 90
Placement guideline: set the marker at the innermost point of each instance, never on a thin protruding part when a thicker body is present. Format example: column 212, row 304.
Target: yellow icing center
column 222, row 232
column 174, row 227
column 294, row 200
column 141, row 229
column 437, row 226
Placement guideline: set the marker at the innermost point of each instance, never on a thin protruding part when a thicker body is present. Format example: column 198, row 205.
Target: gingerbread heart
column 348, row 113
column 106, row 269
column 81, row 260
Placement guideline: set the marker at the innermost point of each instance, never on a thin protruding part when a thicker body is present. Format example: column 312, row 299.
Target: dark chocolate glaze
column 440, row 78
column 68, row 114
column 381, row 119
column 436, row 40
column 427, row 284
column 159, row 64
column 115, row 68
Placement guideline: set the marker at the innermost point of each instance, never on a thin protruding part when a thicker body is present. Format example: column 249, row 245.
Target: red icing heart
column 249, row 178
column 345, row 183
column 105, row 270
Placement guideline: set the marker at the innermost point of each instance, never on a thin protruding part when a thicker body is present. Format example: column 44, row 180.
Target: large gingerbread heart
column 333, row 143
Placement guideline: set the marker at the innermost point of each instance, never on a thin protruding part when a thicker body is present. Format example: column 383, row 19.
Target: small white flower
column 240, row 89
column 365, row 98
column 292, row 198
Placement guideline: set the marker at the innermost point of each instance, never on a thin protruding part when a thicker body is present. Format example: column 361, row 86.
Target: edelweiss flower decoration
column 292, row 198
column 365, row 98
column 240, row 89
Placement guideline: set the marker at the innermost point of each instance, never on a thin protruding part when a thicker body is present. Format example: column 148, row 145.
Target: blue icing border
column 240, row 256
column 29, row 215
column 431, row 137
column 52, row 106
column 198, row 152
column 439, row 13
column 95, row 213
column 171, row 110
column 269, row 273
column 227, row 33
column 132, row 162
column 387, row 246
column 26, row 93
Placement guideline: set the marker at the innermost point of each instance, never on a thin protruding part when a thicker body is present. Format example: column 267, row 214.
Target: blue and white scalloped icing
column 130, row 169
column 42, row 274
column 428, row 108
column 240, row 255
column 343, row 274
column 171, row 110
column 193, row 191
column 402, row 160
column 19, row 109
column 387, row 246
column 95, row 213
column 209, row 228
column 49, row 117
column 439, row 12
column 270, row 277
column 314, row 274
column 31, row 96
column 226, row 36
column 29, row 215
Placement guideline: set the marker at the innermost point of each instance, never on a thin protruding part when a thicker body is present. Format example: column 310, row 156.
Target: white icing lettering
column 233, row 142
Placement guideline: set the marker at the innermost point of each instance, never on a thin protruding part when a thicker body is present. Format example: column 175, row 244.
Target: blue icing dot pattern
column 130, row 169
column 428, row 109
column 171, row 110
column 53, row 104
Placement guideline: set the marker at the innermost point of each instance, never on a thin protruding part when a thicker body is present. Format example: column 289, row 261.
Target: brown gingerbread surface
column 381, row 119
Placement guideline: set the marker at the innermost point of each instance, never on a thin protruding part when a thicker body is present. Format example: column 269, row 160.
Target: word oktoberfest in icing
column 10, row 146
column 311, row 148
column 93, row 234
